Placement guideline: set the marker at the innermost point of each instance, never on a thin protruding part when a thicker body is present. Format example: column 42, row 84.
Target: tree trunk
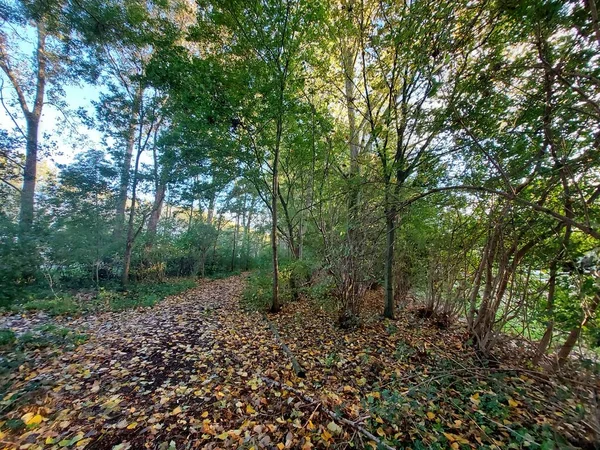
column 275, row 306
column 32, row 116
column 159, row 197
column 129, row 146
column 547, row 337
column 348, row 62
column 29, row 175
column 235, row 235
column 390, row 226
column 247, row 240
column 211, row 209
column 573, row 336
column 131, row 235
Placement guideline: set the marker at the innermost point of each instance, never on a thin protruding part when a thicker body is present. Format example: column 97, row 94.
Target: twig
column 330, row 413
column 298, row 369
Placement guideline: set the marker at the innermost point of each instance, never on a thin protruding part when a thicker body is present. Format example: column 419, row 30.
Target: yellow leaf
column 176, row 411
column 334, row 427
column 461, row 440
column 361, row 381
column 223, row 436
column 375, row 394
column 281, row 446
column 455, row 445
column 430, row 415
column 250, row 409
column 378, row 420
column 310, row 425
column 512, row 403
column 307, row 444
column 50, row 440
column 325, row 435
column 380, row 432
column 204, row 414
column 32, row 419
column 475, row 398
column 450, row 437
column 132, row 425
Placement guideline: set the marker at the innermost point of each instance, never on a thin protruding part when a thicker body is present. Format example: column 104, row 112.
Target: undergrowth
column 109, row 298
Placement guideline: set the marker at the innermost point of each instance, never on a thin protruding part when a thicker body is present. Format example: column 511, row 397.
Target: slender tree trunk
column 214, row 247
column 235, row 235
column 211, row 209
column 348, row 62
column 547, row 337
column 390, row 226
column 247, row 239
column 276, row 305
column 131, row 234
column 159, row 197
column 573, row 336
column 129, row 146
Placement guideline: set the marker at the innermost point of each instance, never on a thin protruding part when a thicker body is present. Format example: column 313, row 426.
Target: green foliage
column 107, row 298
column 18, row 260
column 63, row 305
column 50, row 336
column 439, row 413
column 7, row 337
column 258, row 292
column 143, row 295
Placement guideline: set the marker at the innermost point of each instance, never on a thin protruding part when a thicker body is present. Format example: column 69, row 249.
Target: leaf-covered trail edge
column 188, row 373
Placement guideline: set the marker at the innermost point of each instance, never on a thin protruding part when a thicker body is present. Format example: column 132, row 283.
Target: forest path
column 183, row 374
column 191, row 372
column 177, row 372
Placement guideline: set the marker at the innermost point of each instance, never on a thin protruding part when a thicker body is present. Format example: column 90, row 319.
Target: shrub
column 7, row 337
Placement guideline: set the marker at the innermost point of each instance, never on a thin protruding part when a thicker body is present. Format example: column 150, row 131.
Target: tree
column 37, row 79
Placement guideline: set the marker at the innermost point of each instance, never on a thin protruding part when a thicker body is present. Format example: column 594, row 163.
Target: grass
column 49, row 335
column 58, row 306
column 145, row 295
column 7, row 337
column 106, row 299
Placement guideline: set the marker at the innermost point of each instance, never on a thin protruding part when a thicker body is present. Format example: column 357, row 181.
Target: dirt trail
column 179, row 375
column 189, row 373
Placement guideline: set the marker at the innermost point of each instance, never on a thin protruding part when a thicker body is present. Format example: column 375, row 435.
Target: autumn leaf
column 31, row 419
column 334, row 428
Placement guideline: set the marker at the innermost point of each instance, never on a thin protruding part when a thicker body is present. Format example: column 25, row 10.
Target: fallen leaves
column 189, row 370
column 32, row 419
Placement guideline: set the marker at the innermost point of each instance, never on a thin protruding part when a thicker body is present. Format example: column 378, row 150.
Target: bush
column 7, row 337
column 258, row 293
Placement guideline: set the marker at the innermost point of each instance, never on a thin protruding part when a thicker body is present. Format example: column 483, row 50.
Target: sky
column 21, row 47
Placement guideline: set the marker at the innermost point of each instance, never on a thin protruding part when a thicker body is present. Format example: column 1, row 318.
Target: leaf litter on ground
column 194, row 371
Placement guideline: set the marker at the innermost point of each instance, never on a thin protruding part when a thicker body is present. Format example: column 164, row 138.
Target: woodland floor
column 190, row 373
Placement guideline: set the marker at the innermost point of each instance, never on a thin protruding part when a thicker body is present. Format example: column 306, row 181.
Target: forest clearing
column 197, row 371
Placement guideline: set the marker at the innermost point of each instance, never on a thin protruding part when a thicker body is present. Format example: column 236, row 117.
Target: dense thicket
column 446, row 150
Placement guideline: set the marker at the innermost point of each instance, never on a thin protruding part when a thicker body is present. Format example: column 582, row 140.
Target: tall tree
column 36, row 78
